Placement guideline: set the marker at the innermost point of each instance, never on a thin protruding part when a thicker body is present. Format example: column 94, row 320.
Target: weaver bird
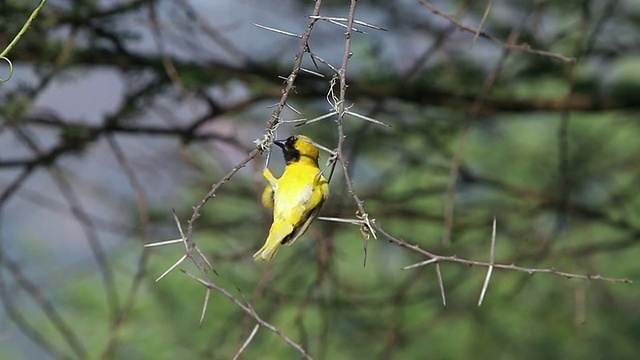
column 296, row 197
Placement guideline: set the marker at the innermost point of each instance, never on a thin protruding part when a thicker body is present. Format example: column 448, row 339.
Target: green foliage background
column 551, row 151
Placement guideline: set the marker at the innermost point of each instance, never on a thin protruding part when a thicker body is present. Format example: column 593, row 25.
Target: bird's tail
column 266, row 252
column 277, row 233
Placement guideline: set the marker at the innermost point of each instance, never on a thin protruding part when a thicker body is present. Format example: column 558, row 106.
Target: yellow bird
column 296, row 197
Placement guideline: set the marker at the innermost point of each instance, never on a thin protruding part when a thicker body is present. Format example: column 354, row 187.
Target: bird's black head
column 291, row 154
column 298, row 148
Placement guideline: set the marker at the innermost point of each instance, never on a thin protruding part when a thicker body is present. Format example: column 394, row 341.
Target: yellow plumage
column 296, row 197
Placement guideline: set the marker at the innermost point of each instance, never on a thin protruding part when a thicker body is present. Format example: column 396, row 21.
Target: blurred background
column 120, row 111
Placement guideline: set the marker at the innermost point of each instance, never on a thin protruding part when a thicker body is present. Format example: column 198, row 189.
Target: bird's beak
column 280, row 143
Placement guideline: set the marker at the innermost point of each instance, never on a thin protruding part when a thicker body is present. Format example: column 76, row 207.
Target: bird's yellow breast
column 299, row 190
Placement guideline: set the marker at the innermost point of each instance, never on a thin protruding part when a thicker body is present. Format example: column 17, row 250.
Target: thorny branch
column 479, row 32
column 434, row 258
column 249, row 310
column 272, row 124
column 342, row 75
column 368, row 226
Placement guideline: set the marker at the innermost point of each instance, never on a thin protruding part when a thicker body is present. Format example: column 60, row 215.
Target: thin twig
column 216, row 35
column 45, row 305
column 253, row 314
column 23, row 29
column 530, row 271
column 143, row 216
column 341, row 109
column 68, row 192
column 522, row 47
column 484, row 18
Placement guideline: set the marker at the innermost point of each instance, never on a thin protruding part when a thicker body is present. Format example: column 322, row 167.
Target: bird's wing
column 324, row 187
column 302, row 227
column 267, row 194
column 312, row 208
column 267, row 197
column 270, row 178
